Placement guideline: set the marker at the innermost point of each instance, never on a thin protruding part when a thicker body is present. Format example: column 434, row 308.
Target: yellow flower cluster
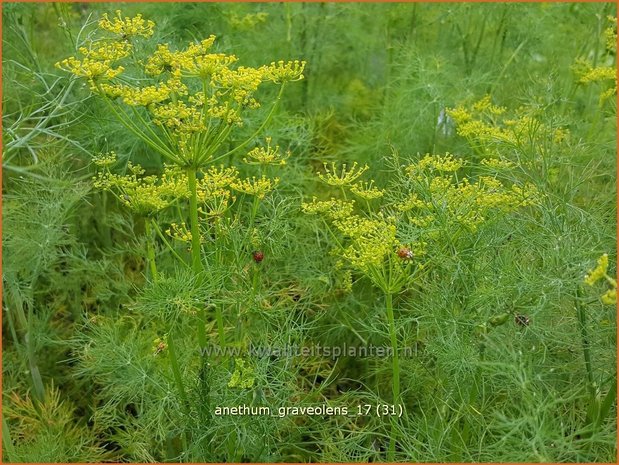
column 107, row 51
column 411, row 202
column 163, row 59
column 370, row 240
column 193, row 124
column 90, row 69
column 601, row 74
column 284, row 71
column 332, row 209
column 249, row 21
column 497, row 164
column 178, row 116
column 485, row 105
column 127, row 27
column 488, row 128
column 342, row 177
column 179, row 232
column 144, row 195
column 214, row 190
column 259, row 187
column 610, row 34
column 463, row 201
column 587, row 73
column 146, row 96
column 446, row 163
column 105, row 160
column 367, row 190
column 601, row 272
column 266, row 156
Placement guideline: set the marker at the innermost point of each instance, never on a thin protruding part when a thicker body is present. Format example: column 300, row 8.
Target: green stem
column 582, row 318
column 150, row 249
column 396, row 371
column 196, row 262
column 167, row 244
column 178, row 380
column 127, row 122
column 254, row 211
column 24, row 326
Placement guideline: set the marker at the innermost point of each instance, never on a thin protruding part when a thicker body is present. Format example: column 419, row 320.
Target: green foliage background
column 79, row 310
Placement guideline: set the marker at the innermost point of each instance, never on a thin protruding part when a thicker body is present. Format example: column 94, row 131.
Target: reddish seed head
column 405, row 253
column 258, row 256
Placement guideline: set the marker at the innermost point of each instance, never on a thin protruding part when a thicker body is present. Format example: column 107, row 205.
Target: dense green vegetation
column 430, row 185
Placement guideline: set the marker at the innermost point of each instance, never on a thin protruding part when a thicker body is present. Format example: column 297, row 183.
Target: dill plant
column 184, row 105
column 431, row 202
column 186, row 124
column 513, row 351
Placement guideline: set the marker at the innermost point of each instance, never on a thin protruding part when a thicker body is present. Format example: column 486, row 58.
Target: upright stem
column 178, row 380
column 150, row 249
column 582, row 318
column 196, row 262
column 167, row 244
column 24, row 326
column 396, row 371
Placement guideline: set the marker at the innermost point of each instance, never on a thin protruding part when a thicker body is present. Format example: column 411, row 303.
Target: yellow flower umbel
column 439, row 197
column 258, row 187
column 127, row 27
column 342, row 177
column 214, row 191
column 367, row 191
column 193, row 120
column 266, row 156
column 601, row 272
column 490, row 129
column 144, row 195
column 332, row 209
column 604, row 75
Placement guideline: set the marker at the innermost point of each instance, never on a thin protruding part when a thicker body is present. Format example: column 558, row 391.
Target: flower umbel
column 342, row 177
